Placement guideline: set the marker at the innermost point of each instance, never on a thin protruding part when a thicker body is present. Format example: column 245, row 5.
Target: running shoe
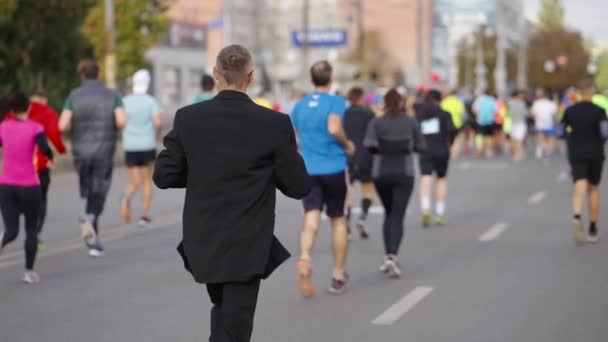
column 88, row 232
column 440, row 221
column 305, row 285
column 339, row 286
column 361, row 226
column 97, row 251
column 31, row 277
column 125, row 209
column 593, row 237
column 41, row 246
column 385, row 266
column 394, row 271
column 579, row 234
column 426, row 219
column 144, row 222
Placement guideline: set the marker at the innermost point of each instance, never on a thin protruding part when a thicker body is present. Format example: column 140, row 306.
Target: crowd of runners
column 387, row 141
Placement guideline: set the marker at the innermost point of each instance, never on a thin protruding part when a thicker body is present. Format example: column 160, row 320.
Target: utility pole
column 421, row 77
column 360, row 27
column 522, row 51
column 306, row 41
column 110, row 58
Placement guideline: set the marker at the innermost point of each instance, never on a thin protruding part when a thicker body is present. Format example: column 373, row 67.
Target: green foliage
column 551, row 14
column 41, row 45
column 467, row 62
column 601, row 78
column 139, row 26
column 548, row 44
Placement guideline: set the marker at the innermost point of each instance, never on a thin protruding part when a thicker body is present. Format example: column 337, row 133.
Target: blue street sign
column 320, row 38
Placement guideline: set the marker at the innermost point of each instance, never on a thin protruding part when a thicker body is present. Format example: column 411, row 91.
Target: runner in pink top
column 20, row 192
column 18, row 139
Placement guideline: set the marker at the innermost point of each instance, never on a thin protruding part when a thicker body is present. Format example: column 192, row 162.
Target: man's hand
column 350, row 148
column 50, row 165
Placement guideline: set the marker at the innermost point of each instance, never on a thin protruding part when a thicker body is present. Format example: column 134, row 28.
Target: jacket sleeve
column 450, row 129
column 43, row 145
column 290, row 173
column 419, row 142
column 51, row 128
column 171, row 168
column 370, row 141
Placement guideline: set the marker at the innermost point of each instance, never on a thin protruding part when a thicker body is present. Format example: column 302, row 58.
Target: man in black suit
column 231, row 155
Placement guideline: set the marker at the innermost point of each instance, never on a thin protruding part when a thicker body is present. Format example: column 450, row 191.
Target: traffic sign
column 320, row 38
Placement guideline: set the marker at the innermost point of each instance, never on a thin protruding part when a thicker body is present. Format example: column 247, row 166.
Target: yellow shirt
column 455, row 107
column 260, row 101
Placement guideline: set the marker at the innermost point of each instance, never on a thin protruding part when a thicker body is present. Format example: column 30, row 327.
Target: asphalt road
column 505, row 268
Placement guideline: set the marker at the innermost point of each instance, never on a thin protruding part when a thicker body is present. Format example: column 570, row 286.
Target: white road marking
column 537, row 197
column 494, row 232
column 14, row 258
column 403, row 306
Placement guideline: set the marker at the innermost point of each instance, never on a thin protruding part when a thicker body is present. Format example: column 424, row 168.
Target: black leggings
column 45, row 182
column 395, row 195
column 14, row 202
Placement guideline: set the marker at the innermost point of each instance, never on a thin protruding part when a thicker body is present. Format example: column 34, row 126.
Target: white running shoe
column 96, row 253
column 393, row 270
column 87, row 231
column 384, row 268
column 593, row 238
column 31, row 277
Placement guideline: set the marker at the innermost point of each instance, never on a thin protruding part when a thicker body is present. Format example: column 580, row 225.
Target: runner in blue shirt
column 317, row 119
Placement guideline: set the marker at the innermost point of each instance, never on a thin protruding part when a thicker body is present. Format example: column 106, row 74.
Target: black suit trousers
column 233, row 310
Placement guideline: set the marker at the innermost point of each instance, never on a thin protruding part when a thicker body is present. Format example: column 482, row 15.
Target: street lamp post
column 110, row 58
column 480, row 68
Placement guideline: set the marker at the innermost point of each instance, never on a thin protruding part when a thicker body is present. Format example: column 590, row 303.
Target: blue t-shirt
column 486, row 110
column 322, row 153
column 140, row 133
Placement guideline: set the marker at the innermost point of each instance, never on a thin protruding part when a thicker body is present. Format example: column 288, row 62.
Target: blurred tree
column 41, row 45
column 602, row 76
column 467, row 61
column 551, row 14
column 373, row 61
column 139, row 26
column 549, row 45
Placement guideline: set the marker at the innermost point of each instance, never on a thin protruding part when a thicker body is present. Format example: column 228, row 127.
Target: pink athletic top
column 18, row 139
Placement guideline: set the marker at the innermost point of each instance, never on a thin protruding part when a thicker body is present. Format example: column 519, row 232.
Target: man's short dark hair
column 40, row 93
column 433, row 96
column 355, row 94
column 18, row 101
column 321, row 73
column 88, row 69
column 234, row 63
column 207, row 82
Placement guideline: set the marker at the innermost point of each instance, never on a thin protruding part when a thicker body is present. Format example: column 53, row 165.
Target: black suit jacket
column 231, row 155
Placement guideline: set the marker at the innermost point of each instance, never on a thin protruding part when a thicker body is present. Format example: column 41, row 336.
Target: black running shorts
column 360, row 172
column 329, row 192
column 430, row 165
column 140, row 158
column 590, row 170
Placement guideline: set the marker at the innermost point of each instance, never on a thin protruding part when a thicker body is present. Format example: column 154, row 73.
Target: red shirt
column 48, row 118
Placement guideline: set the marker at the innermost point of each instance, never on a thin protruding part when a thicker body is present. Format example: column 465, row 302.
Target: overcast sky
column 588, row 16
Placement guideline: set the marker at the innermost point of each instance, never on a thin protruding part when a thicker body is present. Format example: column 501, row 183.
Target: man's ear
column 251, row 77
column 216, row 73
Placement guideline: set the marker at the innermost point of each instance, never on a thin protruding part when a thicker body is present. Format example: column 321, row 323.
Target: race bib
column 430, row 126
